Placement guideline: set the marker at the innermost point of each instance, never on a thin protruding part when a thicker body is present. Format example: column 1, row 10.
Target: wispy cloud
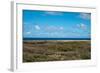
column 82, row 26
column 61, row 28
column 28, row 32
column 37, row 27
column 54, row 28
column 85, row 15
column 53, row 13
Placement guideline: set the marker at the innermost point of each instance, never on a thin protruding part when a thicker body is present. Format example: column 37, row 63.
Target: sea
column 56, row 38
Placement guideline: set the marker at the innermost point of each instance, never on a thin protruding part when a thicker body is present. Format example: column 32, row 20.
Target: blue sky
column 52, row 24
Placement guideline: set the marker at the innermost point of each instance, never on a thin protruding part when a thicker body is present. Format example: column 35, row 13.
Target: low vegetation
column 37, row 51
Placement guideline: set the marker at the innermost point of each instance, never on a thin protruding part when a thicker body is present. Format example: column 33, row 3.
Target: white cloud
column 82, row 26
column 37, row 27
column 28, row 32
column 54, row 28
column 85, row 15
column 53, row 13
column 61, row 28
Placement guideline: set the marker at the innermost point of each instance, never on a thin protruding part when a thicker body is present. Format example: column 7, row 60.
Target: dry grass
column 36, row 51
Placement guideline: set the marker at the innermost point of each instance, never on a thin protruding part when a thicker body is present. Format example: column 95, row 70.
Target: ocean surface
column 56, row 38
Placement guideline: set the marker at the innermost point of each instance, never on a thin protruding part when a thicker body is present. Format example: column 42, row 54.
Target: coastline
column 54, row 40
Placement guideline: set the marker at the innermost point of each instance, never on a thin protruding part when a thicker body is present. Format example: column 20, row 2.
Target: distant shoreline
column 68, row 39
column 54, row 40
